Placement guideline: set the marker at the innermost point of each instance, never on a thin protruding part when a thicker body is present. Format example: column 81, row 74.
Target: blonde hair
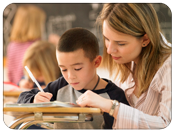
column 136, row 20
column 40, row 58
column 28, row 24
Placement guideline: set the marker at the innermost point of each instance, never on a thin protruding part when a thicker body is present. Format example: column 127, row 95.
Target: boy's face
column 77, row 69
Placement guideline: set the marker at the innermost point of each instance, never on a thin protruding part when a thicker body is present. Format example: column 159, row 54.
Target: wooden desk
column 35, row 115
column 8, row 97
column 12, row 93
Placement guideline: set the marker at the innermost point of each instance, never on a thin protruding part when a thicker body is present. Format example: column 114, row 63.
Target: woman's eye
column 106, row 39
column 64, row 70
column 120, row 44
column 78, row 69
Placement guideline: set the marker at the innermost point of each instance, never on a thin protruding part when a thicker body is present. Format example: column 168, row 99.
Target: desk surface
column 18, row 111
column 12, row 93
column 53, row 109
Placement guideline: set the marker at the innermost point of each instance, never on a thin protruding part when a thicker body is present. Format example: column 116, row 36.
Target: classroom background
column 61, row 17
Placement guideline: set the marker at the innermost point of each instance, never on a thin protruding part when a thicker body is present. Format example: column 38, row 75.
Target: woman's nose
column 110, row 48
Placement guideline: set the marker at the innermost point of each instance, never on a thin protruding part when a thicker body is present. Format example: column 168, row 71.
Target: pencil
column 33, row 79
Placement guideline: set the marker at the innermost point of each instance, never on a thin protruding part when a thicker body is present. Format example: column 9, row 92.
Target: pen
column 33, row 79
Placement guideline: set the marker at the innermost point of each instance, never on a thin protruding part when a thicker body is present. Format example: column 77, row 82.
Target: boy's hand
column 42, row 97
column 26, row 84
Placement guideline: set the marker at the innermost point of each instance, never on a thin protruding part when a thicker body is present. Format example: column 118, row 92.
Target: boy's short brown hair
column 79, row 38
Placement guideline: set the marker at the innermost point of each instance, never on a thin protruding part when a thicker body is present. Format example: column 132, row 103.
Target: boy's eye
column 78, row 69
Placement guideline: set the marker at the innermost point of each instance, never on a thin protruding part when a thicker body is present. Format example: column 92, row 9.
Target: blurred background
column 61, row 17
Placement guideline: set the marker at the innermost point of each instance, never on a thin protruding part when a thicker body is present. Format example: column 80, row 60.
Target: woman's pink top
column 152, row 110
column 15, row 53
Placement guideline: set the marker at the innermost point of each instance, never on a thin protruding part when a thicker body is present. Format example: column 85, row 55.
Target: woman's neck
column 136, row 91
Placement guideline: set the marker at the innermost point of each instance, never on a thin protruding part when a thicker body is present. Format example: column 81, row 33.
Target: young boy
column 78, row 57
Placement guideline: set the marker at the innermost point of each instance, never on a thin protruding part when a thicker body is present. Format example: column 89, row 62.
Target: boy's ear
column 97, row 61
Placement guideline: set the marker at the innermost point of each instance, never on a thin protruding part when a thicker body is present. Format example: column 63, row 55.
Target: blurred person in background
column 53, row 38
column 41, row 60
column 28, row 27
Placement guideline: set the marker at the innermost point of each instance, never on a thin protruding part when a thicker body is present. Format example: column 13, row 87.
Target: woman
column 138, row 57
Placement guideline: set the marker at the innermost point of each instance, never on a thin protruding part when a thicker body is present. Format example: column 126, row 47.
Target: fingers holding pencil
column 42, row 97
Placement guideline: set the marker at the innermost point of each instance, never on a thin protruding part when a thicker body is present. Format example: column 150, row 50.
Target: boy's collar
column 96, row 83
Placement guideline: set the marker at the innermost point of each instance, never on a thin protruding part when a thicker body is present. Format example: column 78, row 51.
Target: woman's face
column 122, row 47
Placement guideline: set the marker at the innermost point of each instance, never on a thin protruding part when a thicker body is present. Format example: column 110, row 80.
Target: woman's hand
column 26, row 84
column 42, row 97
column 92, row 99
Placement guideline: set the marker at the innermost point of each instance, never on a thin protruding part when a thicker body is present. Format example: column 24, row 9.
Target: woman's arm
column 92, row 99
column 155, row 110
column 154, row 115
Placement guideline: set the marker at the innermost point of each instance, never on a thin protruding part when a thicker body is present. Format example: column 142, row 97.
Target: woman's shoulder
column 162, row 78
column 167, row 65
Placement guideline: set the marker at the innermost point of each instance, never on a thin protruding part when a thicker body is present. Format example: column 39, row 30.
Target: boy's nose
column 71, row 75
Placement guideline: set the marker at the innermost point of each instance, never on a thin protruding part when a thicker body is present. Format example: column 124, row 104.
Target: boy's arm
column 52, row 87
column 118, row 94
column 27, row 96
